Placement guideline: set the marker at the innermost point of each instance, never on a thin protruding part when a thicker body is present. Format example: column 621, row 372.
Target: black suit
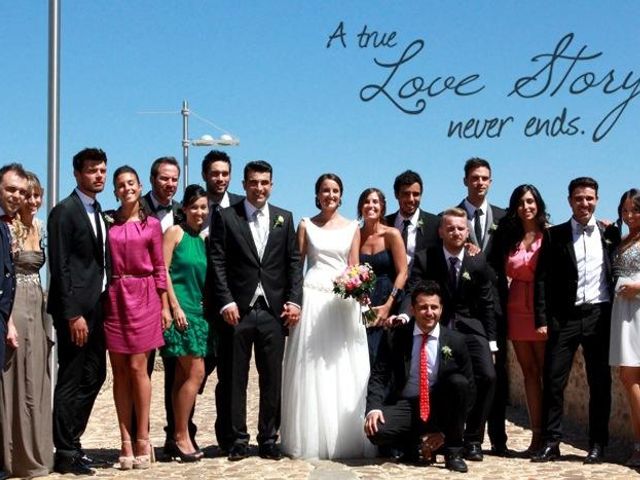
column 468, row 309
column 570, row 325
column 450, row 396
column 7, row 286
column 427, row 231
column 236, row 270
column 490, row 236
column 77, row 266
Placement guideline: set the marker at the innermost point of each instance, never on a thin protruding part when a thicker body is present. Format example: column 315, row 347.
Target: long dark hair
column 127, row 169
column 381, row 197
column 632, row 194
column 322, row 178
column 511, row 225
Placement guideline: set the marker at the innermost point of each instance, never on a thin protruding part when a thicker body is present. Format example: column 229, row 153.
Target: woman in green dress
column 187, row 335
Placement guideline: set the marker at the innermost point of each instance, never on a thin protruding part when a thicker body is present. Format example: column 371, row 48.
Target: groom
column 257, row 285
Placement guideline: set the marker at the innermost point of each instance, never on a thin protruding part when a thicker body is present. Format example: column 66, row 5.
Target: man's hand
column 231, row 314
column 79, row 331
column 291, row 314
column 371, row 422
column 12, row 334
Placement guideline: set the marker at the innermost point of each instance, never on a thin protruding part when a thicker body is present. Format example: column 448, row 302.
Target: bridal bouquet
column 357, row 281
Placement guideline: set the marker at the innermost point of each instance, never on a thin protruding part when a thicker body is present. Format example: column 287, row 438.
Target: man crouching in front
column 421, row 383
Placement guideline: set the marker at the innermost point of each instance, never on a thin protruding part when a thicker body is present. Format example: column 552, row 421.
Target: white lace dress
column 326, row 362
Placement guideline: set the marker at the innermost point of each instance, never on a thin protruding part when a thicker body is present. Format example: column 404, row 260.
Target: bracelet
column 394, row 292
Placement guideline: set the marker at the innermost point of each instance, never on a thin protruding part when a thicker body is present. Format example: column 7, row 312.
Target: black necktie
column 477, row 226
column 453, row 273
column 99, row 235
column 405, row 231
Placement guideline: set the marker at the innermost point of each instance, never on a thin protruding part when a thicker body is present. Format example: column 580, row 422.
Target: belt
column 130, row 275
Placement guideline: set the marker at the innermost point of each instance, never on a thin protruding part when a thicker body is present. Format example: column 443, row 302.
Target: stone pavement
column 101, row 441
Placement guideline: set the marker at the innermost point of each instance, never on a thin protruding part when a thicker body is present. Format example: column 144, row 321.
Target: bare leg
column 630, row 377
column 189, row 376
column 141, row 398
column 122, row 399
column 530, row 356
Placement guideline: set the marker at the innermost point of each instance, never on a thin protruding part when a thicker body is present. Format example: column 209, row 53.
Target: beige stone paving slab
column 102, row 440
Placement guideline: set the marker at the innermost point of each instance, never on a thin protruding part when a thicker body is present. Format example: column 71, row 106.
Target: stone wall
column 576, row 396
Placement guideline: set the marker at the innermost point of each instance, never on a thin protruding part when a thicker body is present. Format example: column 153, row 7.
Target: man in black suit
column 573, row 294
column 422, row 382
column 483, row 221
column 419, row 229
column 78, row 261
column 467, row 297
column 257, row 285
column 216, row 173
column 159, row 202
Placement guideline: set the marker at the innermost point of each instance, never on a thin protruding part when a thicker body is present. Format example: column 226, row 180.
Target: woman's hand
column 628, row 290
column 382, row 313
column 167, row 319
column 180, row 318
column 542, row 330
column 12, row 334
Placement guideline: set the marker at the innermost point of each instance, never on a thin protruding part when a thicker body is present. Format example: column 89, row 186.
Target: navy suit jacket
column 7, row 286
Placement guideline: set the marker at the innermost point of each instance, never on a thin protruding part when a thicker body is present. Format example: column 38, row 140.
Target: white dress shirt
column 412, row 231
column 592, row 279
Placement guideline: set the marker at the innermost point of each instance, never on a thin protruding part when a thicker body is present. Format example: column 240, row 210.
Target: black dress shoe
column 238, row 452
column 473, row 452
column 501, row 451
column 270, row 451
column 73, row 465
column 455, row 463
column 550, row 451
column 595, row 455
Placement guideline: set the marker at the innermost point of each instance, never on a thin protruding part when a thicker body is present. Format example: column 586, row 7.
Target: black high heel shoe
column 184, row 457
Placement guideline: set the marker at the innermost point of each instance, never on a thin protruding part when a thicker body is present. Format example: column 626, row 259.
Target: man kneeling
column 422, row 382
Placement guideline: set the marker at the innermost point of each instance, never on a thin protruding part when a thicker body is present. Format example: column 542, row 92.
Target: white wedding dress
column 326, row 362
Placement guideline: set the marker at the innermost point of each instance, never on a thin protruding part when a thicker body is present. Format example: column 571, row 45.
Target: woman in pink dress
column 133, row 312
column 514, row 257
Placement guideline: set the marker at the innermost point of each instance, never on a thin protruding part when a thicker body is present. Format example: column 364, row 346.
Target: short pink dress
column 133, row 310
column 521, row 269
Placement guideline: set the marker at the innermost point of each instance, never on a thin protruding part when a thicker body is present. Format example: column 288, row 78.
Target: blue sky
column 262, row 70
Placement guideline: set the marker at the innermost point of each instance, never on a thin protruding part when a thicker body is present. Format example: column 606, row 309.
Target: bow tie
column 163, row 208
column 588, row 229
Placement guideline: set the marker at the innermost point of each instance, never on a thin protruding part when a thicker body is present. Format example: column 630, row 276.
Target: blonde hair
column 19, row 229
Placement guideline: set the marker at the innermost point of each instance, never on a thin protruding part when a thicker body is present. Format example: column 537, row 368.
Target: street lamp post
column 203, row 141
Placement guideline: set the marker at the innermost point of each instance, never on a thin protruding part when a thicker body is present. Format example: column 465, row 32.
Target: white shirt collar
column 249, row 209
column 576, row 226
column 471, row 208
column 435, row 333
column 448, row 255
column 413, row 218
column 86, row 200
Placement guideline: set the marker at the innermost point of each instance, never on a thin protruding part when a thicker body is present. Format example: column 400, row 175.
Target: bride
column 326, row 362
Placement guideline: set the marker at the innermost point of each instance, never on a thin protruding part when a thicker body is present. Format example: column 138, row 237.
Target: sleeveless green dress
column 188, row 271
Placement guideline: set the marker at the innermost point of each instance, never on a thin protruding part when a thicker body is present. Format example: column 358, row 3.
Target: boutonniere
column 420, row 223
column 278, row 221
column 447, row 353
column 466, row 276
column 493, row 228
column 108, row 219
column 608, row 242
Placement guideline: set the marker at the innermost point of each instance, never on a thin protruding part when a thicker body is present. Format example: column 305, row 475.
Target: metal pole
column 53, row 137
column 185, row 144
column 53, row 140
